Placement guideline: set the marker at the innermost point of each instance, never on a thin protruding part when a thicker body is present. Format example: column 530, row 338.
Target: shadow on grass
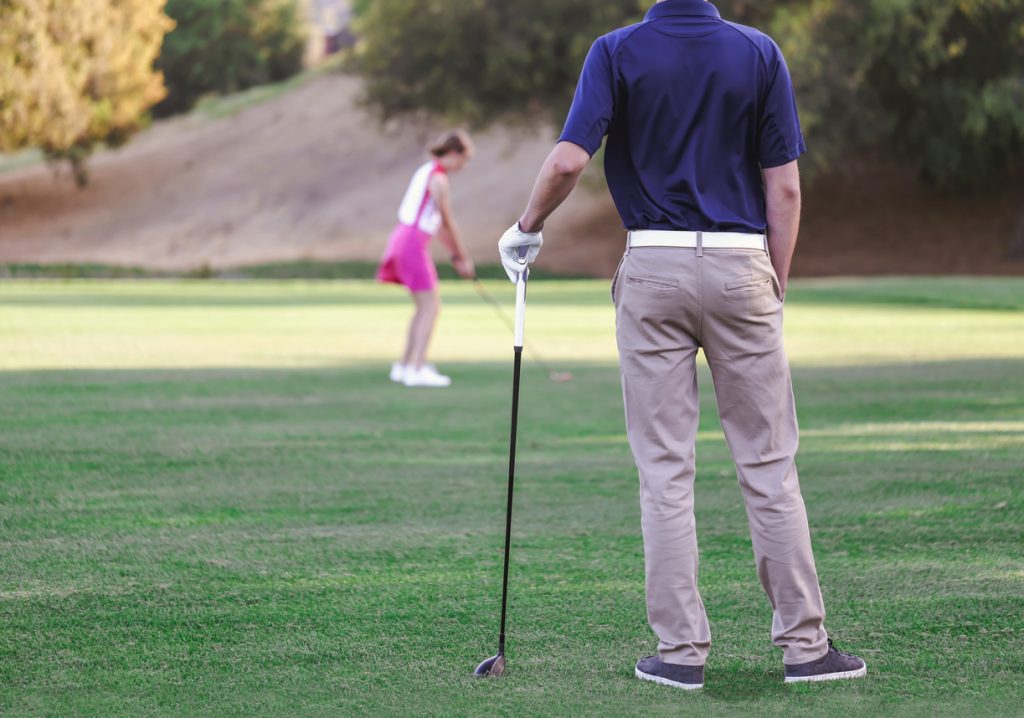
column 342, row 284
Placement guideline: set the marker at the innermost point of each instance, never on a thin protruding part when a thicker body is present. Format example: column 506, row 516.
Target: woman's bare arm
column 440, row 191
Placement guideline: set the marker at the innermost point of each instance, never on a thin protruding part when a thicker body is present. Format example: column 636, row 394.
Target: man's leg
column 742, row 337
column 655, row 297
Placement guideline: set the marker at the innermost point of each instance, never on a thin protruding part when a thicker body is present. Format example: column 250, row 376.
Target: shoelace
column 832, row 647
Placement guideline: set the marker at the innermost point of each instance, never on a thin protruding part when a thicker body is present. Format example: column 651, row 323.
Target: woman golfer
column 426, row 211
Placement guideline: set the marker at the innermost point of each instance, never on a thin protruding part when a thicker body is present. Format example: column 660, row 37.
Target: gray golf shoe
column 652, row 668
column 833, row 666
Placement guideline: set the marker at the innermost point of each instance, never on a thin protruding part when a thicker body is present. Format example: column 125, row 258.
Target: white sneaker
column 397, row 372
column 426, row 375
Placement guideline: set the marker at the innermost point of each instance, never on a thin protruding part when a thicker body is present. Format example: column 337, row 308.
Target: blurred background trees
column 479, row 61
column 74, row 73
column 78, row 73
column 220, row 46
column 937, row 83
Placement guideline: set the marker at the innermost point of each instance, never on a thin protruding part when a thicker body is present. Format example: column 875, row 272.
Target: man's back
column 694, row 107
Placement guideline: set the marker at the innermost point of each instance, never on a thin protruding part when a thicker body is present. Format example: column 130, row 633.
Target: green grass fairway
column 213, row 502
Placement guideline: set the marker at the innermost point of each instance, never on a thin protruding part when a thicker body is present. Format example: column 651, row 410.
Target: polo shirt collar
column 682, row 7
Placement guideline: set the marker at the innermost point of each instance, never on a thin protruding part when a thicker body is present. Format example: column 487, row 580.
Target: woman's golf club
column 559, row 376
column 495, row 665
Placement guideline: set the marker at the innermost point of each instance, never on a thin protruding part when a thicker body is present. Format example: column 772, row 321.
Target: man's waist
column 707, row 240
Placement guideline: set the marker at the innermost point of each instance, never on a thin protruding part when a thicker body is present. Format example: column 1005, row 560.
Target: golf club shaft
column 517, row 366
column 486, row 296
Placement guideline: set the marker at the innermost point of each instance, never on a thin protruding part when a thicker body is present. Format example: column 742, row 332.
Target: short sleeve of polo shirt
column 780, row 139
column 594, row 102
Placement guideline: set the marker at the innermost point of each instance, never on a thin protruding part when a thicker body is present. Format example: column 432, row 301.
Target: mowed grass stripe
column 196, row 324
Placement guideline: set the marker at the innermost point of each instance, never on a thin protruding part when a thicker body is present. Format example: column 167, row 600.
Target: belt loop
column 629, row 238
column 700, row 244
column 764, row 237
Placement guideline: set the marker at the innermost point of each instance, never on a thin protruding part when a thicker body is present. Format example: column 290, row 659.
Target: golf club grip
column 520, row 319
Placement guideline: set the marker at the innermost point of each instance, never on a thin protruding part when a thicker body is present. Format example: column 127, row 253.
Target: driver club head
column 493, row 666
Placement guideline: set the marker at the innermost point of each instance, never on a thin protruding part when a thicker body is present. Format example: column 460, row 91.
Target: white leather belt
column 708, row 240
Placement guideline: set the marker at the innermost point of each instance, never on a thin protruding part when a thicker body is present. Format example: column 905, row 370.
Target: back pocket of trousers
column 747, row 285
column 657, row 284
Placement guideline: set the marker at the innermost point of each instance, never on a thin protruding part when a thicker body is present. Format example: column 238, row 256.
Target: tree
column 938, row 82
column 228, row 45
column 479, row 60
column 74, row 73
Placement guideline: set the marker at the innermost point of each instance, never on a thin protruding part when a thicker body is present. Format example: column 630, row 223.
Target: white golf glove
column 513, row 258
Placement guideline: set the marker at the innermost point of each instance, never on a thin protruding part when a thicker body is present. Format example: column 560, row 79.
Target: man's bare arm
column 558, row 176
column 782, row 196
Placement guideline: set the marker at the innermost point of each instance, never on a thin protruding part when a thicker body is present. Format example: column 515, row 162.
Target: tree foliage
column 939, row 82
column 479, row 60
column 228, row 45
column 77, row 72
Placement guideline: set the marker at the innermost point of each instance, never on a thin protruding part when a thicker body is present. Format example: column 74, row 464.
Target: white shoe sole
column 666, row 682
column 859, row 673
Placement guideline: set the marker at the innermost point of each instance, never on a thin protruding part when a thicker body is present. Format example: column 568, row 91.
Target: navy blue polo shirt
column 694, row 107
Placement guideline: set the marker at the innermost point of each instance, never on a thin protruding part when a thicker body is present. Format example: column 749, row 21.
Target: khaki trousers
column 669, row 302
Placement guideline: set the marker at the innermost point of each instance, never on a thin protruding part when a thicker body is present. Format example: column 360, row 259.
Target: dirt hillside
column 306, row 175
column 309, row 175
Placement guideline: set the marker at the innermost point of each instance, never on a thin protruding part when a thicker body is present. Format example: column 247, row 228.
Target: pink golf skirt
column 407, row 260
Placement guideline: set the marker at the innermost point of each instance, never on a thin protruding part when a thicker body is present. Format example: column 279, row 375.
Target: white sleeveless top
column 430, row 219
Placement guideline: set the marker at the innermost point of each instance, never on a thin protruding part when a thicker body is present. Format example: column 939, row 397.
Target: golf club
column 558, row 376
column 495, row 665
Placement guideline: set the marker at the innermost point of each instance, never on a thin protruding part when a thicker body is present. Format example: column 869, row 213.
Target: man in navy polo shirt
column 703, row 138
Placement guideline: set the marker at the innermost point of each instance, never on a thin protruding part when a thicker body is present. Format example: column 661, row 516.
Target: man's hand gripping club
column 518, row 249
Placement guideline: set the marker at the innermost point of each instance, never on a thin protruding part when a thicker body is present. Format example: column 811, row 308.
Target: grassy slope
column 212, row 504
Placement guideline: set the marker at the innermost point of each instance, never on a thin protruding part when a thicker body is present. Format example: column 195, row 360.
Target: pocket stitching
column 653, row 282
column 747, row 283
